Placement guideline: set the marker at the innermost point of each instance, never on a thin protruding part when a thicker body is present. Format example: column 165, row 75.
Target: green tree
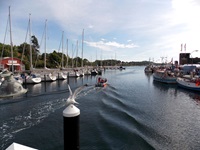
column 55, row 59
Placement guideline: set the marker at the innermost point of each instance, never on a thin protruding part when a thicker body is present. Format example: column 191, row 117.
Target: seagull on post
column 72, row 96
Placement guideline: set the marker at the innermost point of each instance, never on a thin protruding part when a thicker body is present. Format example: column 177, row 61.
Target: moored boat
column 62, row 76
column 94, row 72
column 31, row 79
column 164, row 76
column 148, row 69
column 191, row 84
column 73, row 73
column 121, row 68
column 48, row 77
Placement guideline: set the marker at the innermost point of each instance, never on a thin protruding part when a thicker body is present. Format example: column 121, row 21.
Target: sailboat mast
column 11, row 44
column 62, row 49
column 31, row 63
column 45, row 37
column 67, row 54
column 82, row 48
column 101, row 58
column 4, row 42
column 72, row 57
column 76, row 52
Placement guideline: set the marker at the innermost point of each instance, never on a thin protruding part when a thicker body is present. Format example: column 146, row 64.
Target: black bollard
column 25, row 82
column 68, row 78
column 71, row 127
column 44, row 77
column 45, row 82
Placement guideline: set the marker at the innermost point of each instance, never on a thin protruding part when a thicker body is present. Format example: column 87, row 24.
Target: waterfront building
column 186, row 58
column 8, row 62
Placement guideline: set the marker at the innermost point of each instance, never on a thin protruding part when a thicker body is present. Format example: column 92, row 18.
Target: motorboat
column 121, row 68
column 191, row 84
column 101, row 82
column 164, row 76
column 148, row 69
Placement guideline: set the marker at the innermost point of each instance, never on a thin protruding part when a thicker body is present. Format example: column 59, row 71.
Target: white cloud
column 158, row 27
column 111, row 45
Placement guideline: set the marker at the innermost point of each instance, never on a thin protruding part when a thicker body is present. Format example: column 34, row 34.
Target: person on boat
column 100, row 80
column 103, row 80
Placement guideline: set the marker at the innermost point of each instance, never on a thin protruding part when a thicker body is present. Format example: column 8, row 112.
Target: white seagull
column 72, row 96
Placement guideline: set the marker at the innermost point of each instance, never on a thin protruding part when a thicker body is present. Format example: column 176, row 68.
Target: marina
column 97, row 75
column 132, row 112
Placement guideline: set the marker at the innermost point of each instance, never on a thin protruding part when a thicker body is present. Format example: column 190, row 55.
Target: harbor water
column 132, row 112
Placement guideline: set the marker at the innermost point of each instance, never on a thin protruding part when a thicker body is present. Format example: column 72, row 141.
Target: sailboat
column 47, row 75
column 84, row 71
column 74, row 72
column 32, row 78
column 10, row 87
column 62, row 75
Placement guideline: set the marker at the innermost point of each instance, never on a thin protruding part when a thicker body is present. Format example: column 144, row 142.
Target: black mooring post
column 71, row 117
column 45, row 82
column 67, row 77
column 25, row 82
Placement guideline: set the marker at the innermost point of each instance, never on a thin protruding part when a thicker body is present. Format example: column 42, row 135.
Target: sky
column 128, row 30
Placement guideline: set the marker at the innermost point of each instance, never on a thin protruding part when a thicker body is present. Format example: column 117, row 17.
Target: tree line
column 53, row 60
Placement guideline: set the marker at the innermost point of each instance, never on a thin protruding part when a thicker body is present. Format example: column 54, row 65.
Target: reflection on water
column 35, row 88
column 196, row 97
column 149, row 76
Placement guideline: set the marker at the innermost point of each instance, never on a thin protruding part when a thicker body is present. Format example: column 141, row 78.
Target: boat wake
column 90, row 89
column 124, row 122
column 27, row 119
column 35, row 114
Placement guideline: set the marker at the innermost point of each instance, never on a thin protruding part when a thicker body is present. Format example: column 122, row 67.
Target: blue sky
column 128, row 30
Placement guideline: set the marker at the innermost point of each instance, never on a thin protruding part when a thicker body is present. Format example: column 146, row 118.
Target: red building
column 7, row 62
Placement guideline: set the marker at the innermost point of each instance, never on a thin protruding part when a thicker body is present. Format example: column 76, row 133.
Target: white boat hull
column 62, row 76
column 32, row 80
column 162, row 76
column 74, row 74
column 188, row 84
column 49, row 77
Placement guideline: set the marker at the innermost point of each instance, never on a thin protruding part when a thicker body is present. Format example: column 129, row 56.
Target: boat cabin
column 186, row 69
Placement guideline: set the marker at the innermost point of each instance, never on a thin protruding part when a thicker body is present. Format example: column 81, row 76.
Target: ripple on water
column 117, row 125
column 27, row 119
